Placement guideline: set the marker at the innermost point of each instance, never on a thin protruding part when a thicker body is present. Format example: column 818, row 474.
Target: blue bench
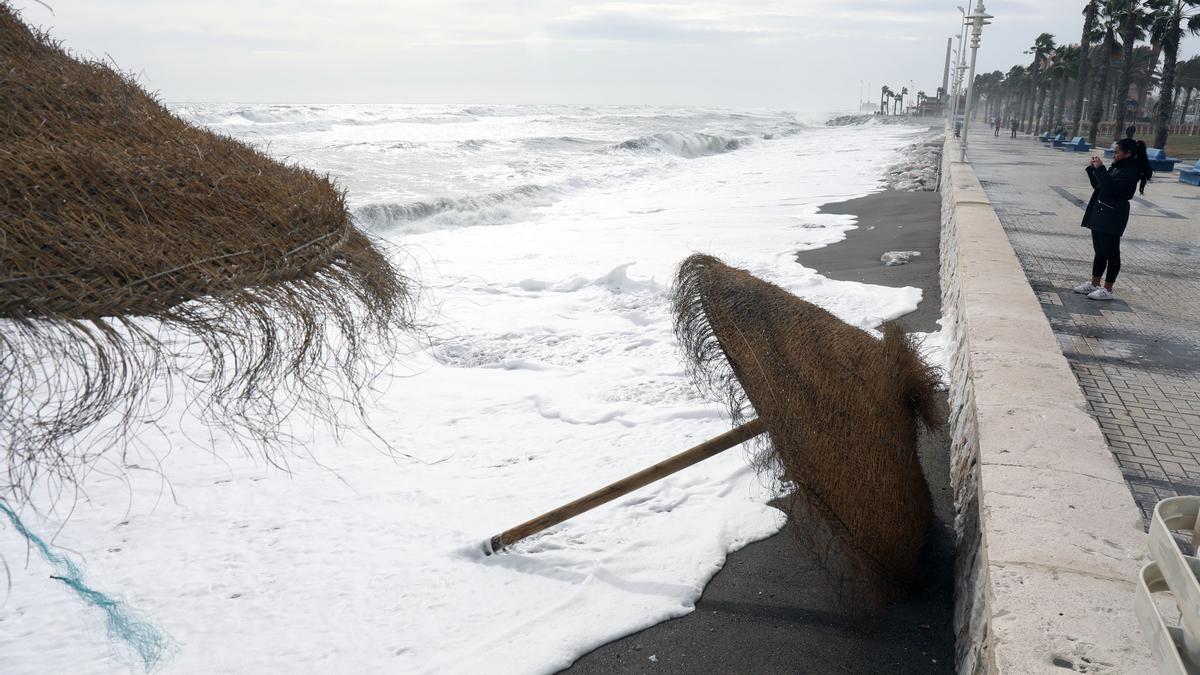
column 1159, row 160
column 1108, row 152
column 1077, row 144
column 1190, row 176
column 1059, row 140
column 1045, row 137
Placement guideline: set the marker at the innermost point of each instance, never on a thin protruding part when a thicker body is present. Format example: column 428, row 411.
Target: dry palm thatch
column 842, row 411
column 134, row 245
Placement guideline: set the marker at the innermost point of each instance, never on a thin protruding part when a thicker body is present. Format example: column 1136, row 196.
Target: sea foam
column 550, row 370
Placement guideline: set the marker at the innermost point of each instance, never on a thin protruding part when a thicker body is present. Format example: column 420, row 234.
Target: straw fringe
column 842, row 410
column 134, row 246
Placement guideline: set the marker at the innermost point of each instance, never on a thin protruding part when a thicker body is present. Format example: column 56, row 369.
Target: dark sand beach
column 770, row 609
column 888, row 221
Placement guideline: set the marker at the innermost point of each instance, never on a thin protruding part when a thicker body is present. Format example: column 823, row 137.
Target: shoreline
column 892, row 220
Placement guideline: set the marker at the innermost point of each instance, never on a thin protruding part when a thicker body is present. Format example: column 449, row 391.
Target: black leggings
column 1108, row 256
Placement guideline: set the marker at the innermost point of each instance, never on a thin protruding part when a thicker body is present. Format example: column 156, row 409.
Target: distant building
column 930, row 107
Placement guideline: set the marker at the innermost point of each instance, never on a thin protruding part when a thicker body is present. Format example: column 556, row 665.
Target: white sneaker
column 1101, row 294
column 1086, row 287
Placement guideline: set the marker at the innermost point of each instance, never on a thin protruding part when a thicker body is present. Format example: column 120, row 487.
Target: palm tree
column 1064, row 63
column 1135, row 19
column 1041, row 46
column 1146, row 74
column 1109, row 19
column 1014, row 82
column 1002, row 91
column 979, row 91
column 1187, row 74
column 1089, row 30
column 884, row 94
column 986, row 86
column 1176, row 17
column 989, row 86
column 1045, row 86
column 900, row 98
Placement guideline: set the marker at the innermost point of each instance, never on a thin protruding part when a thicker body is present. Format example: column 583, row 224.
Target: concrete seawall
column 1048, row 536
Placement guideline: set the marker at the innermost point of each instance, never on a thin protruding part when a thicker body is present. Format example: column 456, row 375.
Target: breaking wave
column 699, row 144
column 683, row 145
column 784, row 131
column 558, row 142
column 292, row 119
column 487, row 209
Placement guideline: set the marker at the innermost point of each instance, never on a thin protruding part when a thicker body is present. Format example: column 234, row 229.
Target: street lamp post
column 978, row 18
column 952, row 98
column 961, row 70
column 949, row 93
column 961, row 64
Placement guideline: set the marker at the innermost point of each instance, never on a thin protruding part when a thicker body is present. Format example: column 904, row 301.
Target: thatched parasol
column 133, row 245
column 841, row 412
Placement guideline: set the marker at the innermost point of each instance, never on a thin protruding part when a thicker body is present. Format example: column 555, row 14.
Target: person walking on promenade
column 1012, row 124
column 1107, row 211
column 998, row 124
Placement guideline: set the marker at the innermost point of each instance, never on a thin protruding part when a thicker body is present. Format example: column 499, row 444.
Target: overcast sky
column 805, row 55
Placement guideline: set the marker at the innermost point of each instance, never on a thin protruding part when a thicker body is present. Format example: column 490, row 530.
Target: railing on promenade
column 1174, row 635
column 1147, row 129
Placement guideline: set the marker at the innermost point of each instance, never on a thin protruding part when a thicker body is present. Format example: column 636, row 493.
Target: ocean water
column 545, row 239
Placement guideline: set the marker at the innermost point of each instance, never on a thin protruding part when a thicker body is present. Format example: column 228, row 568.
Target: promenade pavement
column 1136, row 358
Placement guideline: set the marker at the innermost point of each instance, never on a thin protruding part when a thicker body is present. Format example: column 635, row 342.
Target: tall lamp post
column 961, row 64
column 961, row 61
column 961, row 71
column 978, row 18
column 960, row 56
column 949, row 94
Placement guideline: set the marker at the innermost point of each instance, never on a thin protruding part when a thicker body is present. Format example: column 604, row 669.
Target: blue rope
column 150, row 644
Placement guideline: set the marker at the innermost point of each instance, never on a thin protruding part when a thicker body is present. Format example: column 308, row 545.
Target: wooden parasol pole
column 646, row 476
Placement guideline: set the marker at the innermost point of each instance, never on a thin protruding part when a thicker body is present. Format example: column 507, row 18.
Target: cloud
column 659, row 51
column 629, row 29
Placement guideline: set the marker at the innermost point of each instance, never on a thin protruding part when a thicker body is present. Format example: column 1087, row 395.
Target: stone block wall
column 1048, row 536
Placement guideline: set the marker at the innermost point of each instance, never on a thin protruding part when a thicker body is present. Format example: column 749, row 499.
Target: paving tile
column 1136, row 359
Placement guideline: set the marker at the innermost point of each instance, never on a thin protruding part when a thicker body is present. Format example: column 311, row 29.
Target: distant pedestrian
column 998, row 124
column 1012, row 124
column 1107, row 211
column 1130, row 131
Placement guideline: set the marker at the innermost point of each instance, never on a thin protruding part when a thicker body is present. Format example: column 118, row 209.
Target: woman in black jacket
column 1107, row 212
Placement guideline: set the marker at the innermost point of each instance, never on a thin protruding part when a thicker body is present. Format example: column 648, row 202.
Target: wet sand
column 770, row 610
column 888, row 221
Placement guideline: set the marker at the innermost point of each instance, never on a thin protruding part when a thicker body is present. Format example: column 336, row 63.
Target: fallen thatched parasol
column 133, row 244
column 841, row 412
